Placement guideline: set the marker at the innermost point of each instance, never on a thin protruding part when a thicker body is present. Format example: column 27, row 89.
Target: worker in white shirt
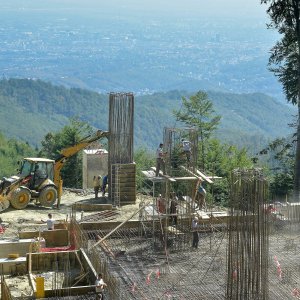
column 195, row 232
column 99, row 286
column 186, row 149
column 160, row 162
column 50, row 222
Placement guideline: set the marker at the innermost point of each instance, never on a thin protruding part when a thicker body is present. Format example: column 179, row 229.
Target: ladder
column 116, row 188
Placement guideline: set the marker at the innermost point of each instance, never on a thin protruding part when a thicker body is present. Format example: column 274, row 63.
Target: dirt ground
column 31, row 218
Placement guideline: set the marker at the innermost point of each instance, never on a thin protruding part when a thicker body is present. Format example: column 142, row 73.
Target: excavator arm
column 70, row 151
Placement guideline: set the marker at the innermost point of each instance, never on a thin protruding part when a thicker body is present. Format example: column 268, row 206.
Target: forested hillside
column 30, row 109
column 11, row 151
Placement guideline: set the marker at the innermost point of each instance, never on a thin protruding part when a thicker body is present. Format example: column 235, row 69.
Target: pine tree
column 198, row 112
column 284, row 60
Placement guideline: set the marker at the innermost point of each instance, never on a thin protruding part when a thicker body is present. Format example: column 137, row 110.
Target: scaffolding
column 115, row 184
column 177, row 155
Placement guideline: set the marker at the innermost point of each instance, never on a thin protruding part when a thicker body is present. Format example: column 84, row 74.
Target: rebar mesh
column 121, row 108
column 247, row 266
column 175, row 156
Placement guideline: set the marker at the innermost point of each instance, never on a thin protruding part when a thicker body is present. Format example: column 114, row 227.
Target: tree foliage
column 197, row 111
column 69, row 135
column 280, row 157
column 223, row 158
column 11, row 151
column 217, row 158
column 285, row 60
column 144, row 161
column 247, row 119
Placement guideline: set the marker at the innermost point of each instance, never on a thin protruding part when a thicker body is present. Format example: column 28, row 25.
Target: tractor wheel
column 20, row 198
column 48, row 196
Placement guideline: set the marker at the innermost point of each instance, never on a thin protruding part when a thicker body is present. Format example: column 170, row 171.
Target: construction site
column 143, row 243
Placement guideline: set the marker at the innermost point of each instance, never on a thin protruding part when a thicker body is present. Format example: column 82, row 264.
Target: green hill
column 32, row 108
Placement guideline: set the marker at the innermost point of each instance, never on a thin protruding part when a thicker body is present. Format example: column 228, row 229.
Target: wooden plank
column 92, row 207
column 128, row 195
column 79, row 278
column 124, row 166
column 125, row 189
column 185, row 178
column 130, row 217
column 127, row 203
column 123, row 183
column 204, row 176
column 124, row 175
column 149, row 173
column 174, row 230
column 110, row 225
column 80, row 263
column 165, row 176
column 105, row 247
column 169, row 178
column 190, row 172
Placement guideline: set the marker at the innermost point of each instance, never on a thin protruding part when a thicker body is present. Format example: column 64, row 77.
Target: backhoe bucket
column 4, row 203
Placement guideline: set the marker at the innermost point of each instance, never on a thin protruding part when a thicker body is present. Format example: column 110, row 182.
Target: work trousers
column 96, row 190
column 160, row 165
column 195, row 239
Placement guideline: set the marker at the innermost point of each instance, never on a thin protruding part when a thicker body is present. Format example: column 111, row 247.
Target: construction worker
column 160, row 162
column 200, row 194
column 173, row 208
column 195, row 232
column 97, row 184
column 186, row 149
column 99, row 286
column 104, row 184
column 50, row 222
column 161, row 204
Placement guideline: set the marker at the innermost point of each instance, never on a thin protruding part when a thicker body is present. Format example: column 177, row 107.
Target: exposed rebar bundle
column 247, row 258
column 121, row 106
column 173, row 146
column 121, row 169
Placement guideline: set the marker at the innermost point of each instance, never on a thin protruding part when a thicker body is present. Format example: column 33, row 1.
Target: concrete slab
column 16, row 266
column 53, row 238
column 18, row 246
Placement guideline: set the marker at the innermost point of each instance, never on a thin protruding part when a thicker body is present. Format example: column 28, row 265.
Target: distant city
column 114, row 52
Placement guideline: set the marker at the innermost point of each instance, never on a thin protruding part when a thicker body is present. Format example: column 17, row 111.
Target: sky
column 209, row 8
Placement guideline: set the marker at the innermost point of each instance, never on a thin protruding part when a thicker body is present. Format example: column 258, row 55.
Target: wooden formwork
column 5, row 293
column 123, row 179
column 79, row 274
column 53, row 238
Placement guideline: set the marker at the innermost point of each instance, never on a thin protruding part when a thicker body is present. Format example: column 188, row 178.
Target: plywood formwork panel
column 66, row 272
column 123, row 183
column 20, row 247
column 53, row 238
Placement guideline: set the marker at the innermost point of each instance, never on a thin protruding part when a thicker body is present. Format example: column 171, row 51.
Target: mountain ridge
column 43, row 107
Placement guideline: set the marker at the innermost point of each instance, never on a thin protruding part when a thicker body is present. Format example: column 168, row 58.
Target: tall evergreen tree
column 285, row 61
column 69, row 135
column 197, row 111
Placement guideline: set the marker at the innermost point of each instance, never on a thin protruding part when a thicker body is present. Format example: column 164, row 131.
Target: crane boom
column 72, row 150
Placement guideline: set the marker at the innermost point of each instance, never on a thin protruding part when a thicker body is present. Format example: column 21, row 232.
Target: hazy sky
column 211, row 8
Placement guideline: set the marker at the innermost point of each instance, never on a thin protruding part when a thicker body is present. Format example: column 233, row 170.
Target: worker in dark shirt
column 104, row 184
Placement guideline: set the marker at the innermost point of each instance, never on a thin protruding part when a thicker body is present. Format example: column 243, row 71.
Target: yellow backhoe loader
column 39, row 178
